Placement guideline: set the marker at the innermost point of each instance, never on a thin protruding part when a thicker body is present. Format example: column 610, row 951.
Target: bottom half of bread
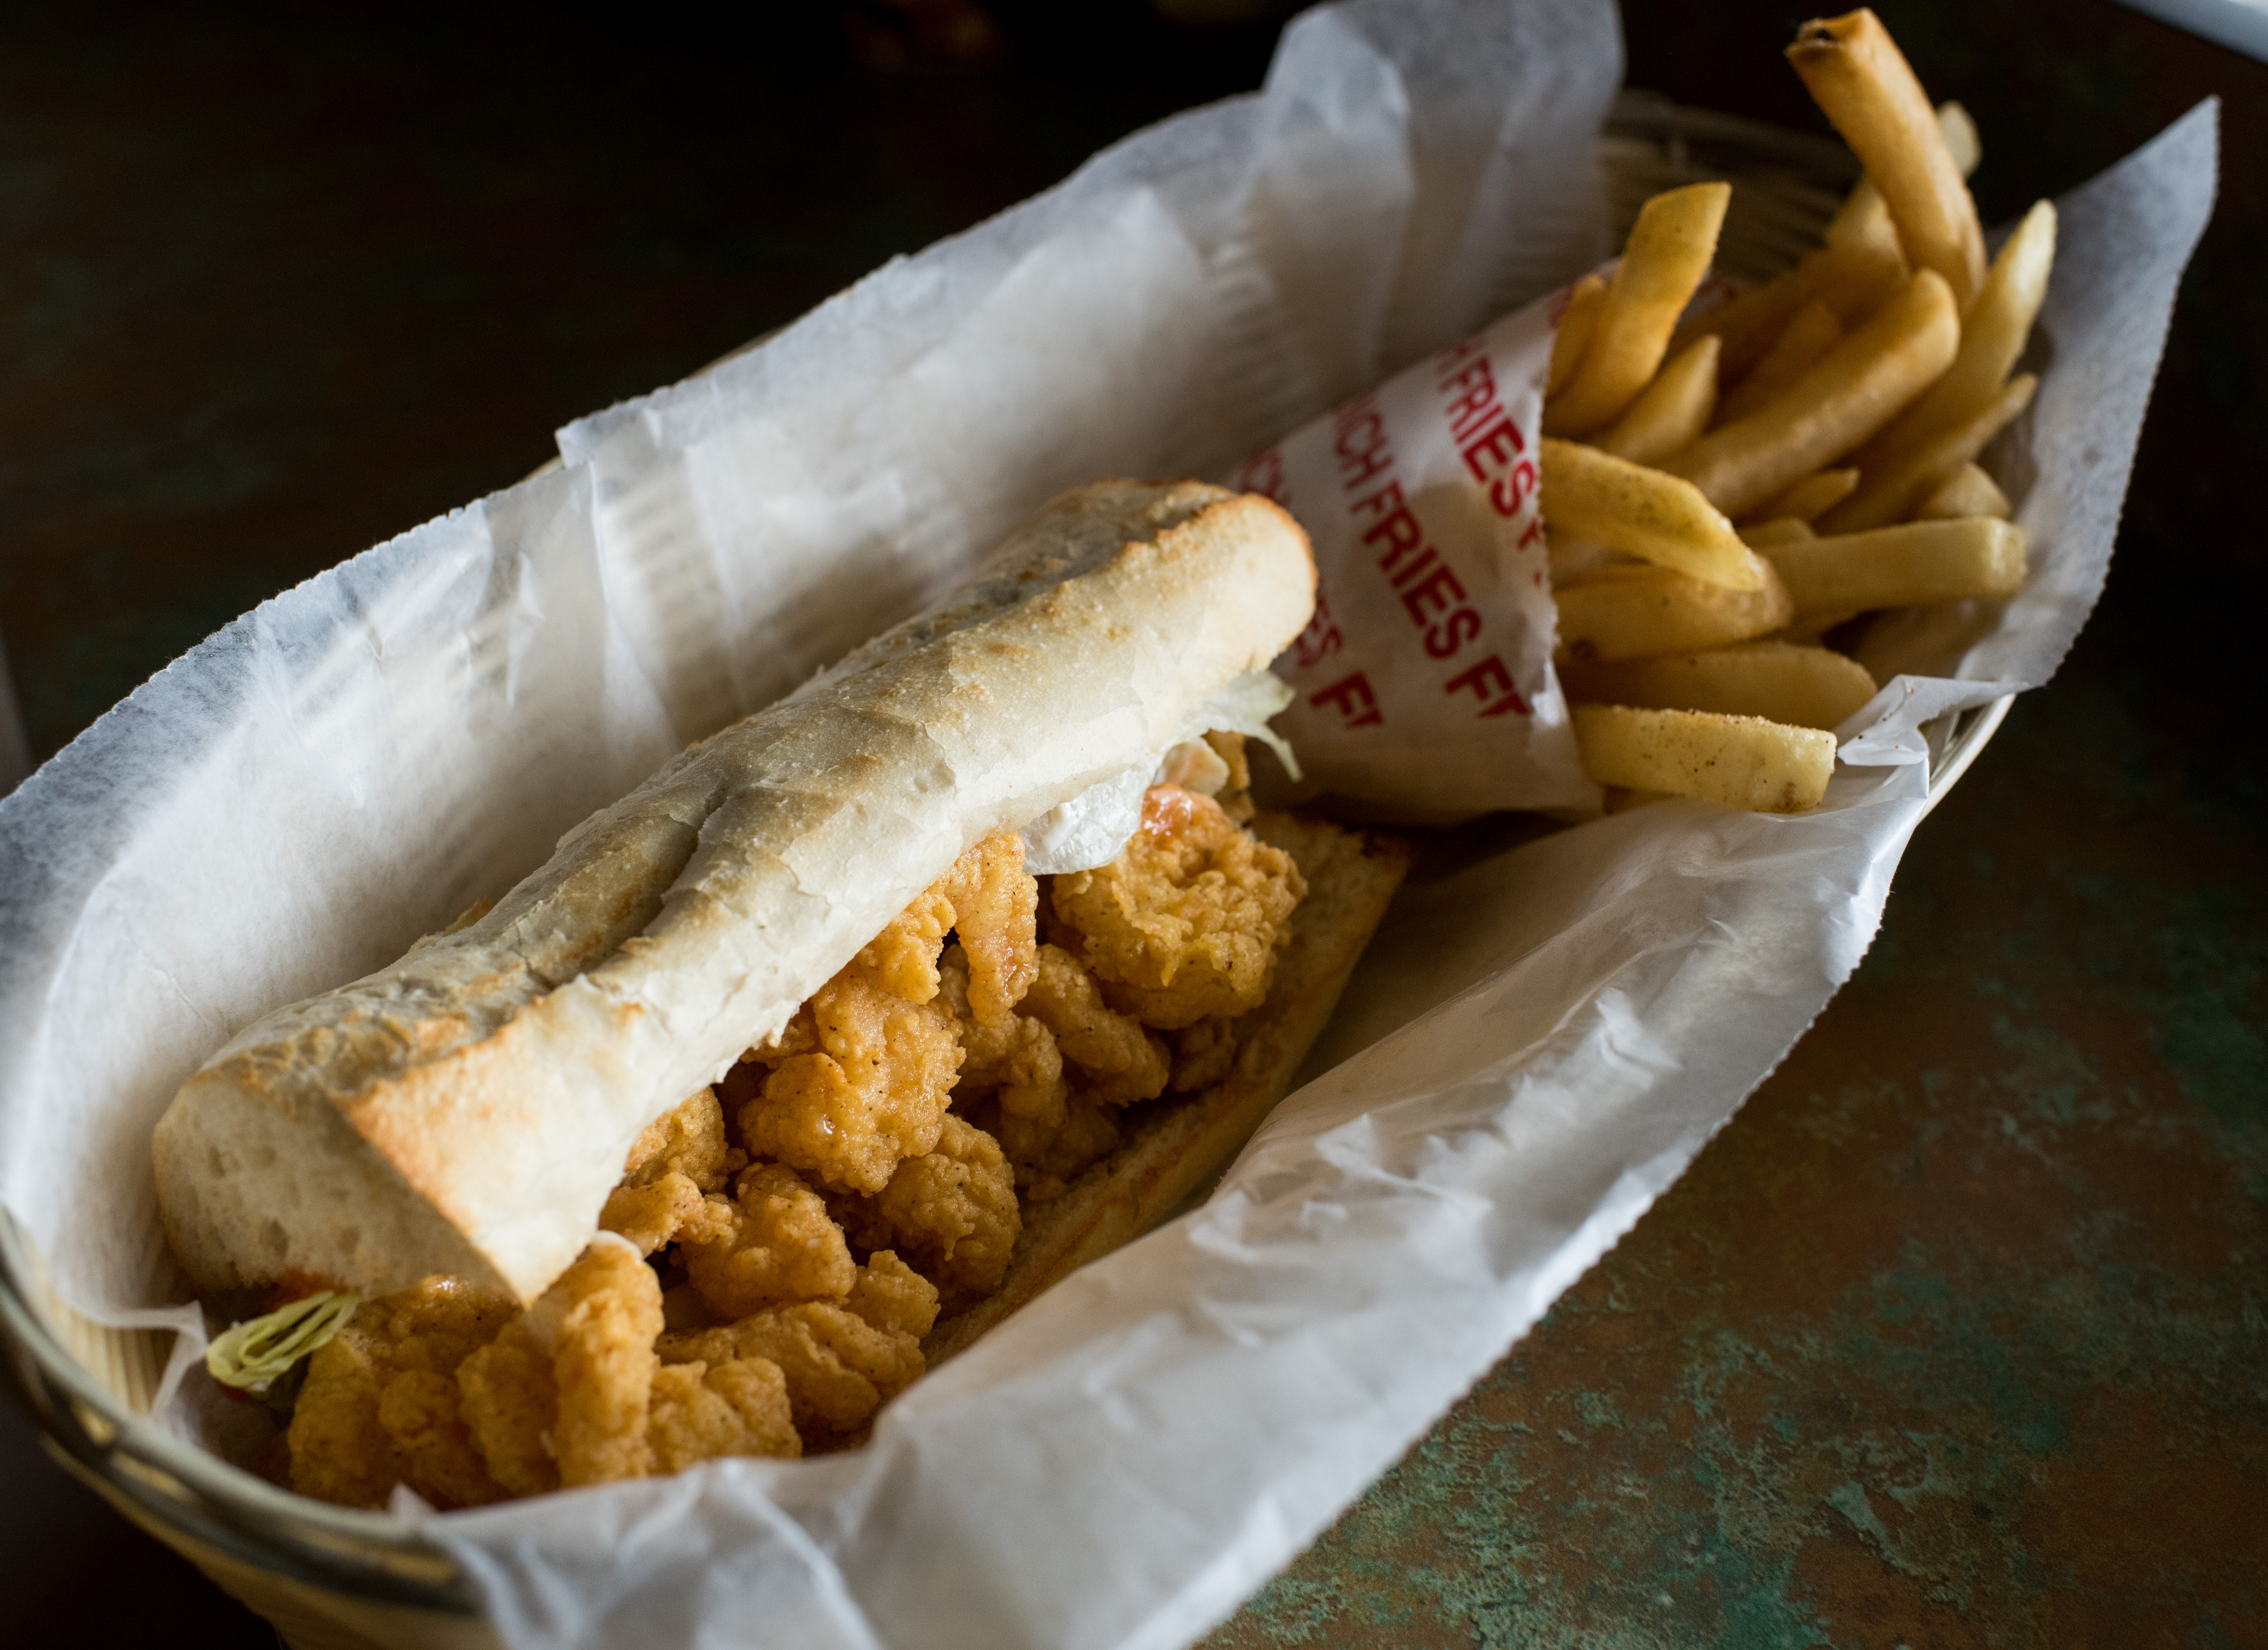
column 1181, row 1144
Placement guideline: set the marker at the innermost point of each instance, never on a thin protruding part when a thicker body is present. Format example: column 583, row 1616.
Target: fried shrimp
column 952, row 1210
column 870, row 1093
column 773, row 1242
column 608, row 1308
column 1019, row 1061
column 1047, row 1156
column 509, row 1400
column 658, row 1212
column 688, row 1141
column 840, row 1364
column 697, row 1413
column 989, row 902
column 1186, row 924
column 1118, row 1061
column 342, row 1447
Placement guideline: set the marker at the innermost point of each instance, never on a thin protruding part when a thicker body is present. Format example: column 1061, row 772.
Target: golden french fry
column 1743, row 761
column 1890, row 495
column 1577, row 324
column 1863, row 83
column 1810, row 629
column 1587, row 494
column 1668, row 253
column 1860, row 385
column 1808, row 336
column 1811, row 497
column 1970, row 493
column 1778, row 530
column 1862, row 220
column 1805, row 687
column 1570, row 561
column 1851, row 279
column 1632, row 612
column 1992, row 335
column 1903, row 566
column 1961, row 140
column 1673, row 410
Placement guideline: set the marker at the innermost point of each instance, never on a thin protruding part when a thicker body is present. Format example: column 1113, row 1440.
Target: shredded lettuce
column 251, row 1354
column 1093, row 828
column 1243, row 706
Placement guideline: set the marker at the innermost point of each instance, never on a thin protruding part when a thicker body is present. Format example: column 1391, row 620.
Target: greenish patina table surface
column 1957, row 1335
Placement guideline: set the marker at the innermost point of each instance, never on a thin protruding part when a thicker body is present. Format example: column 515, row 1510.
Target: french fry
column 1668, row 253
column 1863, row 220
column 1992, row 338
column 1863, row 83
column 1811, row 497
column 1804, row 687
column 1853, row 280
column 1577, row 325
column 1587, row 494
column 1970, row 493
column 1961, row 140
column 1862, row 384
column 1672, row 411
column 1778, row 530
column 1903, row 566
column 1742, row 762
column 1808, row 336
column 1634, row 612
column 1888, row 494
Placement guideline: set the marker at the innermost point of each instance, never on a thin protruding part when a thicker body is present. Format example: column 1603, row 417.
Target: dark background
column 1955, row 1336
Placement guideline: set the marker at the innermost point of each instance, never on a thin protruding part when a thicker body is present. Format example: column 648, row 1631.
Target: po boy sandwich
column 848, row 1032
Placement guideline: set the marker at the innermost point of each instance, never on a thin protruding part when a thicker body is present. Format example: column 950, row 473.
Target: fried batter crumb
column 871, row 1094
column 697, row 1413
column 1187, row 922
column 773, row 1242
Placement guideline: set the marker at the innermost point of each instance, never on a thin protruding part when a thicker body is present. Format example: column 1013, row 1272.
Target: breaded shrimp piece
column 952, row 1211
column 1202, row 1053
column 871, row 1094
column 696, row 1413
column 995, row 911
column 892, row 1297
column 661, row 1211
column 419, row 1411
column 341, row 1448
column 1047, row 1157
column 839, row 1367
column 688, row 1141
column 1017, row 1061
column 774, row 1243
column 990, row 901
column 1186, row 924
column 509, row 1401
column 608, row 1309
column 1118, row 1061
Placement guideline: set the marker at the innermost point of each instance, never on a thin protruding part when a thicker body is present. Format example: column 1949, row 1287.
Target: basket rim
column 379, row 1557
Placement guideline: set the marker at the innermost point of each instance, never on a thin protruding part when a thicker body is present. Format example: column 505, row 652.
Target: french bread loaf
column 467, row 1109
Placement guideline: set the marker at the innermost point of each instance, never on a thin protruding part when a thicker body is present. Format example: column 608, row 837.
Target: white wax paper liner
column 1528, row 1055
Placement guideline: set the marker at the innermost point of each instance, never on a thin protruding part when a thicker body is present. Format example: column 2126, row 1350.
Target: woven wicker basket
column 334, row 1580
